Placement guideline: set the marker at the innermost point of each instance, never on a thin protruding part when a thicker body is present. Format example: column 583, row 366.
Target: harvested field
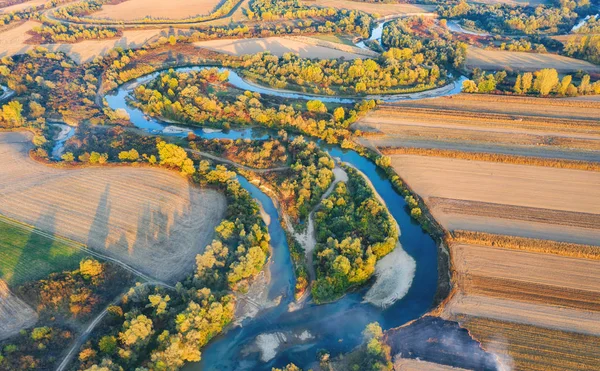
column 526, row 214
column 509, row 154
column 540, row 315
column 525, row 347
column 21, row 6
column 12, row 40
column 542, row 128
column 15, row 315
column 513, row 196
column 87, row 50
column 527, row 276
column 506, row 108
column 406, row 364
column 518, row 185
column 524, row 61
column 373, row 8
column 149, row 218
column 281, row 45
column 511, row 2
column 28, row 256
column 131, row 10
column 506, row 226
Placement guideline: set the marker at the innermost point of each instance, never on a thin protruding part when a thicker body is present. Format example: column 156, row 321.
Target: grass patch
column 28, row 256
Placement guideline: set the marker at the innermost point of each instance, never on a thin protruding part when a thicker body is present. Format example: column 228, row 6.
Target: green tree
column 108, row 345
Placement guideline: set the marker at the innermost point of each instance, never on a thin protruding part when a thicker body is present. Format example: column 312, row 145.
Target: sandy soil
column 394, row 274
column 277, row 46
column 15, row 315
column 523, row 61
column 373, row 8
column 405, row 364
column 151, row 219
column 21, row 6
column 520, row 185
column 138, row 9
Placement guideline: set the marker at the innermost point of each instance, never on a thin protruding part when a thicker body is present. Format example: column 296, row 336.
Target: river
column 286, row 335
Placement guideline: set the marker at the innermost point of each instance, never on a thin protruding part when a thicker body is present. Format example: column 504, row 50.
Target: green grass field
column 27, row 256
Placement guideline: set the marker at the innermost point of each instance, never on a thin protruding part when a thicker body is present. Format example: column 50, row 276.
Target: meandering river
column 287, row 335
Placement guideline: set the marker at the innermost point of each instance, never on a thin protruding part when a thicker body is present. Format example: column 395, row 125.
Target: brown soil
column 149, row 218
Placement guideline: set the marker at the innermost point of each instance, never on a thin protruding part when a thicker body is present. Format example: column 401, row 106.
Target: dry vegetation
column 373, row 8
column 494, row 157
column 281, row 45
column 524, row 61
column 528, row 244
column 149, row 218
column 534, row 348
column 15, row 315
column 138, row 9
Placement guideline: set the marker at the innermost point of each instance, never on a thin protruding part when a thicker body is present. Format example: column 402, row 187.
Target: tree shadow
column 99, row 230
column 41, row 256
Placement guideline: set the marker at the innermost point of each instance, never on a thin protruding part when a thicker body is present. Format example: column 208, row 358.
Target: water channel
column 296, row 335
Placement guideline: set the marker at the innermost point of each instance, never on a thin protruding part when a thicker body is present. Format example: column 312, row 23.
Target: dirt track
column 150, row 218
